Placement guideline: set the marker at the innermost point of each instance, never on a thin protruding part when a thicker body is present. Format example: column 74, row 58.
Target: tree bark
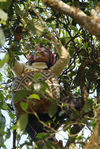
column 94, row 142
column 90, row 23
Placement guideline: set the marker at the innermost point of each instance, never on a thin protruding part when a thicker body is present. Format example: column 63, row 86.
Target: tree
column 76, row 24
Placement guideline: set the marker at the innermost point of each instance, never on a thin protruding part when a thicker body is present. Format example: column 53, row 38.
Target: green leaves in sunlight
column 3, row 15
column 35, row 27
column 2, row 36
column 25, row 24
column 34, row 96
column 22, row 123
column 4, row 60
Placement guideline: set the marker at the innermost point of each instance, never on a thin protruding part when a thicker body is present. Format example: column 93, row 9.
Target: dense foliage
column 31, row 17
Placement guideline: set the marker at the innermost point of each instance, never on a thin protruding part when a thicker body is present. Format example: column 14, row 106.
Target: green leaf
column 24, row 105
column 4, row 60
column 12, row 115
column 37, row 76
column 8, row 134
column 30, row 26
column 22, row 122
column 35, row 27
column 88, row 105
column 14, row 127
column 5, row 4
column 52, row 110
column 45, row 146
column 34, row 96
column 41, row 135
column 1, row 96
column 2, row 120
column 44, row 85
column 85, row 45
column 0, row 77
column 2, row 38
column 18, row 11
column 3, row 0
column 5, row 106
column 3, row 15
column 74, row 28
column 20, row 95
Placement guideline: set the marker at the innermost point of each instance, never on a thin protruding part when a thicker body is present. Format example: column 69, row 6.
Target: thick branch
column 94, row 142
column 91, row 23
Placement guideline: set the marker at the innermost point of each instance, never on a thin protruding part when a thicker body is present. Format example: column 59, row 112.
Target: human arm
column 63, row 61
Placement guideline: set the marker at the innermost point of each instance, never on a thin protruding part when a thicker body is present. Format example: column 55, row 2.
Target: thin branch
column 14, row 139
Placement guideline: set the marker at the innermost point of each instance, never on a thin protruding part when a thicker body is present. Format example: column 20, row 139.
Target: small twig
column 14, row 139
column 47, row 126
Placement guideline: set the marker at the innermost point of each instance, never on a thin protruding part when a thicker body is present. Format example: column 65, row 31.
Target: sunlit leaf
column 0, row 77
column 1, row 96
column 14, row 127
column 2, row 38
column 35, row 27
column 5, row 106
column 3, row 0
column 85, row 45
column 12, row 115
column 24, row 105
column 74, row 28
column 4, row 60
column 22, row 122
column 3, row 15
column 34, row 96
column 37, row 76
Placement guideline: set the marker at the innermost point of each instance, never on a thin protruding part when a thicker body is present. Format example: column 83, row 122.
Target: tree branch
column 90, row 23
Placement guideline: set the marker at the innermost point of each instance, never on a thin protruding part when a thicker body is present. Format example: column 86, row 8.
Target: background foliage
column 83, row 70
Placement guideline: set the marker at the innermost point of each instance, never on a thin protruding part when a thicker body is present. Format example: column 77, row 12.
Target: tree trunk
column 94, row 142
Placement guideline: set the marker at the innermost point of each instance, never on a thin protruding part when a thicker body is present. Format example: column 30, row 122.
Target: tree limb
column 90, row 23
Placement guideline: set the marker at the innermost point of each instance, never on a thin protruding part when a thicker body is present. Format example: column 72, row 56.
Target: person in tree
column 42, row 60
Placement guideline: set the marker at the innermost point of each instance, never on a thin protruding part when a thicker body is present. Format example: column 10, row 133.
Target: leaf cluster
column 82, row 71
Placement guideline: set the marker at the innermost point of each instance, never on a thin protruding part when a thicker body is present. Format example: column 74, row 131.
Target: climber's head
column 42, row 54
